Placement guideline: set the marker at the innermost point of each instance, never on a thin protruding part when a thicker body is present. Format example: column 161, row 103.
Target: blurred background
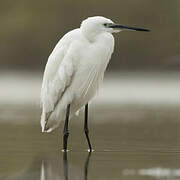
column 30, row 30
column 135, row 118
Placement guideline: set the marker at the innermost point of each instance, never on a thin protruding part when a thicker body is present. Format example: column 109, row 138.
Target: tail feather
column 50, row 121
column 43, row 121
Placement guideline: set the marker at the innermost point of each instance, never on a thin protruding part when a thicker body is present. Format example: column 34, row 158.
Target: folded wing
column 57, row 77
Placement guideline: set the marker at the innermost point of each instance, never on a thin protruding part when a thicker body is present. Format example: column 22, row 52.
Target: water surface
column 132, row 143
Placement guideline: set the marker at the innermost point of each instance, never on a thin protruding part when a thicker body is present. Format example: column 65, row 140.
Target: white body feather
column 73, row 73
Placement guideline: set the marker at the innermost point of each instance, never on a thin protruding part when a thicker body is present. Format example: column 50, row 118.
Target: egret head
column 93, row 26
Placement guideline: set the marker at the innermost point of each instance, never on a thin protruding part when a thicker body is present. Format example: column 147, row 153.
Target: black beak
column 118, row 26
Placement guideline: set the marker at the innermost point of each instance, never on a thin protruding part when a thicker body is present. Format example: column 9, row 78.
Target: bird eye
column 105, row 24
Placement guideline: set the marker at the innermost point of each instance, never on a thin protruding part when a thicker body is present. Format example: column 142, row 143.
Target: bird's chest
column 90, row 73
column 94, row 63
column 90, row 66
column 94, row 54
column 98, row 54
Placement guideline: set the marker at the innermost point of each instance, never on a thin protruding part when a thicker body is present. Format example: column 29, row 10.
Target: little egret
column 74, row 71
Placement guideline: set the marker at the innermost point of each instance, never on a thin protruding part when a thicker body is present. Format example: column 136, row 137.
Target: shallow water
column 132, row 143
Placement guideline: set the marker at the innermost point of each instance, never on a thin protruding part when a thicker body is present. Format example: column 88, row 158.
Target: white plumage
column 75, row 69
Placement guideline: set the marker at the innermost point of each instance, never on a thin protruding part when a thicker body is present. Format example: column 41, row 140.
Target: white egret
column 74, row 71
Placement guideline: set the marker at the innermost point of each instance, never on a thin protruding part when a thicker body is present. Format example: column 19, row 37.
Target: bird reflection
column 86, row 166
column 52, row 169
column 65, row 163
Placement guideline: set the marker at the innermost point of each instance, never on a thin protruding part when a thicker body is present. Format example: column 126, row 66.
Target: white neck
column 90, row 35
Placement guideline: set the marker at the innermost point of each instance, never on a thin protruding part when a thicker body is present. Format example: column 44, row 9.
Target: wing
column 57, row 77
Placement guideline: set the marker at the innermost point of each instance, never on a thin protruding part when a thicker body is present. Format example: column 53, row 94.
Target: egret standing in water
column 74, row 71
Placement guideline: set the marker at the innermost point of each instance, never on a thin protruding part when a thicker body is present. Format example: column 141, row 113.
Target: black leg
column 86, row 130
column 66, row 132
column 65, row 163
column 86, row 166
